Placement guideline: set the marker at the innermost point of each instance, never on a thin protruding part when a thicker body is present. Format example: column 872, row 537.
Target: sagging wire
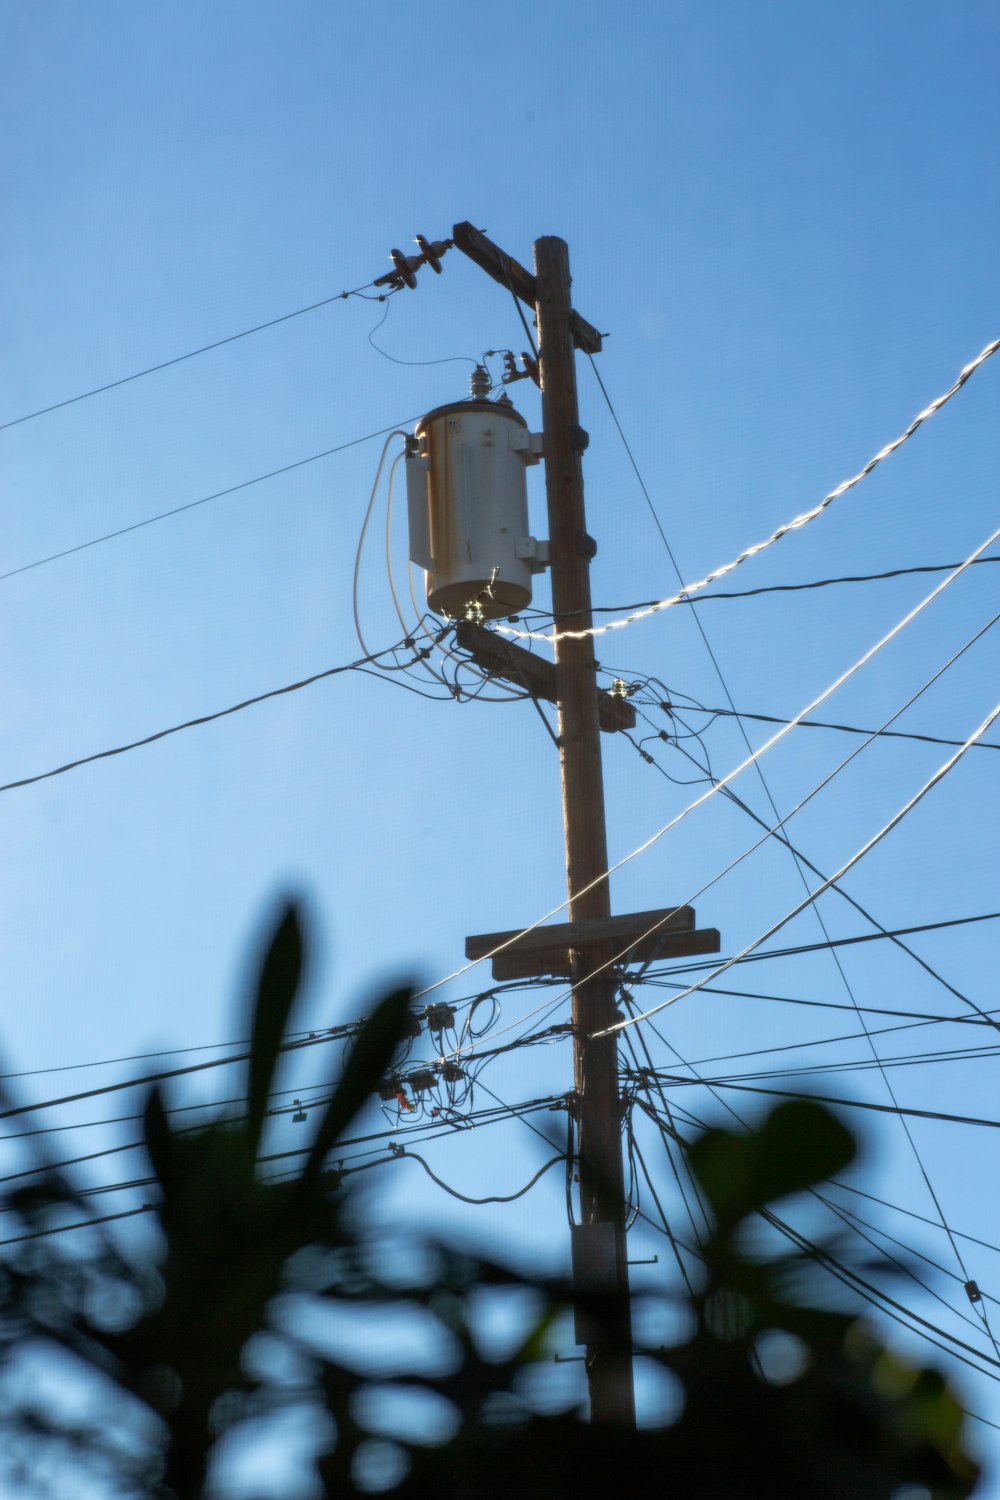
column 427, row 1132
column 721, row 783
column 449, row 359
column 795, row 524
column 402, row 1154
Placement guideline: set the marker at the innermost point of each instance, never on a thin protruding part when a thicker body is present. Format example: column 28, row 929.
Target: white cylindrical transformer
column 468, row 504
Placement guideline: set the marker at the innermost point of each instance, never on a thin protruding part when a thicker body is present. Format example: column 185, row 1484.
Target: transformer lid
column 495, row 408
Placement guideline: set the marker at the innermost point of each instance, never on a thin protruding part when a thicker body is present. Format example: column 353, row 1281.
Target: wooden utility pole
column 600, row 1261
column 585, row 946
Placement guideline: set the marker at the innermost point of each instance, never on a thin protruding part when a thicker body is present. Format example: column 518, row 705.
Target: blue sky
column 786, row 219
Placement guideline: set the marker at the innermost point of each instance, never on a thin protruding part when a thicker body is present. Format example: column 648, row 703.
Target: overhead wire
column 359, row 665
column 987, row 1050
column 910, row 1250
column 878, row 1063
column 834, row 955
column 695, row 1229
column 782, row 837
column 160, row 1076
column 859, row 1226
column 427, row 1128
column 849, row 864
column 864, row 937
column 896, row 937
column 908, row 1213
column 850, row 1065
column 449, row 359
column 824, row 1257
column 295, row 1042
column 178, row 359
column 887, row 734
column 773, row 588
column 675, row 1080
column 795, row 524
column 405, row 1155
column 721, row 783
column 299, row 1093
column 719, row 968
column 878, row 1298
column 204, row 500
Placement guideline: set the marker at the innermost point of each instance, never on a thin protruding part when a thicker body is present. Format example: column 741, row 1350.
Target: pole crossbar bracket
column 501, row 658
column 511, row 274
column 637, row 938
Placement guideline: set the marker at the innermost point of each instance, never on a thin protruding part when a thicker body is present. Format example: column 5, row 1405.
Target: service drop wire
column 849, row 864
column 730, row 776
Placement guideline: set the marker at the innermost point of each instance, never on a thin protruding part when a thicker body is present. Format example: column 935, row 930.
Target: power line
column 192, row 504
column 323, row 1034
column 795, row 524
column 720, row 784
column 981, row 1311
column 222, row 713
column 178, row 359
column 875, row 1295
column 829, row 1262
column 825, row 1258
column 939, row 1054
column 795, row 858
column 429, row 1129
column 909, row 1213
column 677, row 1081
column 804, row 860
column 881, row 734
column 857, row 1065
column 779, row 588
column 831, row 880
column 845, row 942
column 131, row 1083
column 828, row 882
column 648, row 1108
column 307, row 1040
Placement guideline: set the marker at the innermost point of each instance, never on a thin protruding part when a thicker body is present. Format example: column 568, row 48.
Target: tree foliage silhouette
column 165, row 1332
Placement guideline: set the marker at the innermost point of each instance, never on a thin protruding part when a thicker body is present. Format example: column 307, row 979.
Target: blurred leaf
column 243, row 1256
column 373, row 1051
column 160, row 1142
column 276, row 990
column 798, row 1144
